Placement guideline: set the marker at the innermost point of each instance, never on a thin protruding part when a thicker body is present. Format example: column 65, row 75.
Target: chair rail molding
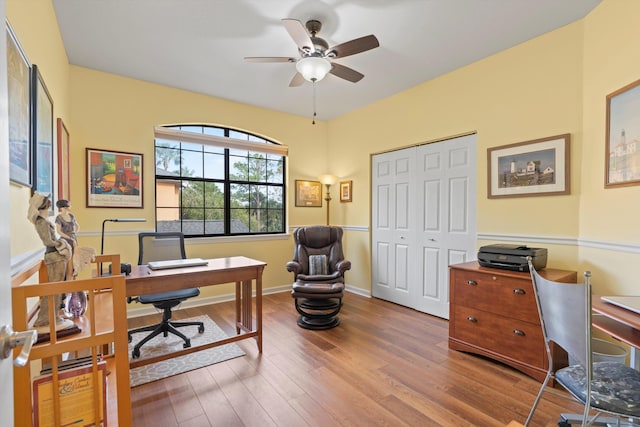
column 563, row 240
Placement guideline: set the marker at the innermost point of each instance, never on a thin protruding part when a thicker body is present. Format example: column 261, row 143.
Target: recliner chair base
column 318, row 314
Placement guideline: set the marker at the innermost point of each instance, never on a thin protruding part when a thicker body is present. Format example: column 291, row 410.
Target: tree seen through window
column 207, row 190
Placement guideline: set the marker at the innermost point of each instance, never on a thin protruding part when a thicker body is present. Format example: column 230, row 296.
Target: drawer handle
column 519, row 291
column 472, row 283
column 518, row 332
column 472, row 319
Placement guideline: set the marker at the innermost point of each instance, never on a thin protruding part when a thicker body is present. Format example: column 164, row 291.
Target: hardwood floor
column 384, row 365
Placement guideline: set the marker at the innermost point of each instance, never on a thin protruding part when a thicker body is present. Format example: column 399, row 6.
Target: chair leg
column 200, row 325
column 535, row 402
column 165, row 327
column 157, row 331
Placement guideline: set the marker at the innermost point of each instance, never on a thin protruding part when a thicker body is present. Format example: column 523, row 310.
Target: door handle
column 10, row 340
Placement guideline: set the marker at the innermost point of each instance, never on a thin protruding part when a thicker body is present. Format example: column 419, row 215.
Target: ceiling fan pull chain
column 313, row 122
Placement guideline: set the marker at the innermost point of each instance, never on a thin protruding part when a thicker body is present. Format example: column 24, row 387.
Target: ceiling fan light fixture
column 313, row 68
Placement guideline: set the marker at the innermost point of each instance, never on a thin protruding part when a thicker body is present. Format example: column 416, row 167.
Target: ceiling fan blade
column 297, row 80
column 354, row 46
column 299, row 34
column 345, row 73
column 269, row 59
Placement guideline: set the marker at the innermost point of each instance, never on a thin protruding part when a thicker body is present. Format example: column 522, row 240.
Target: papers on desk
column 176, row 263
column 627, row 302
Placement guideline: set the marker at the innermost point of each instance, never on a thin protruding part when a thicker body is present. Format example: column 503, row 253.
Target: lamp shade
column 313, row 68
column 328, row 179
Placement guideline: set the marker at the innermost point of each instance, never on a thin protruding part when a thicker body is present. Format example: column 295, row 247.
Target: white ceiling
column 200, row 45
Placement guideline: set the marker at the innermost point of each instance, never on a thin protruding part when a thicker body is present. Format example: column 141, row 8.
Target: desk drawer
column 507, row 296
column 510, row 338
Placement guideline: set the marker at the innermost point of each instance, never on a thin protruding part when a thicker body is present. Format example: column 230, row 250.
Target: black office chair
column 163, row 247
column 602, row 387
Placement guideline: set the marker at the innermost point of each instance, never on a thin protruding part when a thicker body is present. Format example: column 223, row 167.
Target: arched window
column 215, row 181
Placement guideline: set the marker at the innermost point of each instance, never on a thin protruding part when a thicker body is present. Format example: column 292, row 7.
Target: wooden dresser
column 493, row 313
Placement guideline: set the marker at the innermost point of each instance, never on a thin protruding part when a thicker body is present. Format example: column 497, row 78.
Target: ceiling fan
column 316, row 55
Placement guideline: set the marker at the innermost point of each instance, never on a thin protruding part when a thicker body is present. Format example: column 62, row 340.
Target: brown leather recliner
column 318, row 268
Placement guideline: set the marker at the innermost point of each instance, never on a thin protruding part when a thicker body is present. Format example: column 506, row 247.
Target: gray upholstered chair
column 604, row 387
column 318, row 268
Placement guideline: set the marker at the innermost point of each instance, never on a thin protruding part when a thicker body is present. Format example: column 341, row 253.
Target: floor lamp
column 115, row 220
column 328, row 181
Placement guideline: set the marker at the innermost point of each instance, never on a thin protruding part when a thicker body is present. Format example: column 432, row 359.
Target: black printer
column 512, row 257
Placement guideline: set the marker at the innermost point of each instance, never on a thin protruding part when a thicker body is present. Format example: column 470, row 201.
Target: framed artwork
column 345, row 191
column 114, row 179
column 42, row 134
column 308, row 193
column 622, row 156
column 532, row 168
column 19, row 111
column 64, row 164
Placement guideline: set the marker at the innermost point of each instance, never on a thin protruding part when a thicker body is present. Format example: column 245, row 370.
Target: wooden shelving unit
column 103, row 325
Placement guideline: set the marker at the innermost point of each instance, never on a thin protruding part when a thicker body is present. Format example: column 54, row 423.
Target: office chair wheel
column 186, row 344
column 201, row 329
column 135, row 353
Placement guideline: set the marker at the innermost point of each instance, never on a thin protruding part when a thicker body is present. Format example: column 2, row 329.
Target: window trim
column 217, row 141
column 259, row 145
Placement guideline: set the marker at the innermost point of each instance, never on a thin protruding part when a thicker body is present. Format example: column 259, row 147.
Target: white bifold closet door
column 423, row 220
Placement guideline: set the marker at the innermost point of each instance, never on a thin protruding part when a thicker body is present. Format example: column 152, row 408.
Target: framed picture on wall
column 308, row 193
column 19, row 111
column 345, row 191
column 64, row 163
column 532, row 168
column 622, row 155
column 42, row 134
column 114, row 179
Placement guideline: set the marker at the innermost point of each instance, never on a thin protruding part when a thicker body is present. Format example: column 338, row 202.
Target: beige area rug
column 160, row 345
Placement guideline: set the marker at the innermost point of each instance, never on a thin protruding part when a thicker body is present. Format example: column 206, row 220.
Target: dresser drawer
column 507, row 337
column 506, row 296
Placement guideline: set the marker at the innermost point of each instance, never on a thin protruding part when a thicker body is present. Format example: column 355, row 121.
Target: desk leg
column 238, row 307
column 259, row 310
column 247, row 312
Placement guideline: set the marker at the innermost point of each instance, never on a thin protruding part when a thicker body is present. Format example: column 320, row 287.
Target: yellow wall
column 530, row 91
column 44, row 48
column 554, row 84
column 611, row 61
column 117, row 113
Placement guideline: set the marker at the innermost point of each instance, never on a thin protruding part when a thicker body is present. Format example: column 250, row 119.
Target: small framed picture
column 532, row 168
column 345, row 191
column 308, row 193
column 622, row 154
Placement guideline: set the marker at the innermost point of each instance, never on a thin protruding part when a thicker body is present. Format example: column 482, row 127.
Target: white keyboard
column 176, row 263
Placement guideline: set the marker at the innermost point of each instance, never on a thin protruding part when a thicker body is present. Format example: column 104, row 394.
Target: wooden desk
column 241, row 270
column 621, row 324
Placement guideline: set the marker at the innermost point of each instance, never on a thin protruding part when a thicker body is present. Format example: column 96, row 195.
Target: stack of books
column 77, row 395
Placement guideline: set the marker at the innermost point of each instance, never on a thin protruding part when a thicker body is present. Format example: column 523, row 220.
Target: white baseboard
column 147, row 309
